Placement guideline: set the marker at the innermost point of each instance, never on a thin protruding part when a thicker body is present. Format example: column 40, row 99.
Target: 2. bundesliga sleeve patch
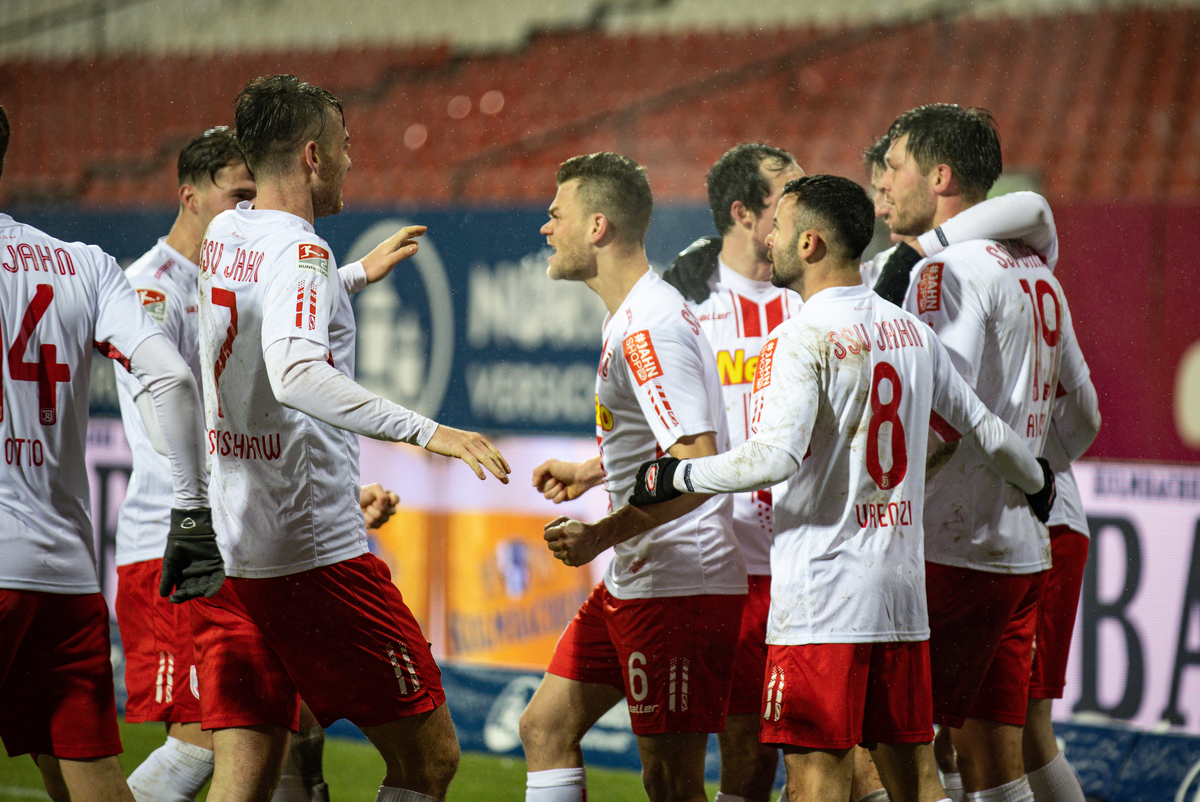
column 929, row 288
column 313, row 258
column 643, row 361
column 762, row 371
column 154, row 302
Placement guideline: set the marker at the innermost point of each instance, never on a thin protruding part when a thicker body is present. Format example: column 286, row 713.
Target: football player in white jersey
column 843, row 395
column 660, row 630
column 157, row 635
column 307, row 610
column 58, row 301
column 1003, row 318
column 727, row 279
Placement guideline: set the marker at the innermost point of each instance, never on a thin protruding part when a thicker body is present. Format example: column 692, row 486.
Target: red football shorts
column 837, row 695
column 981, row 642
column 750, row 663
column 1056, row 613
column 340, row 636
column 160, row 666
column 56, row 680
column 673, row 656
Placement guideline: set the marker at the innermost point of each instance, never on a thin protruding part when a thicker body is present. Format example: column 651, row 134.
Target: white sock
column 1056, row 782
column 878, row 795
column 388, row 793
column 1015, row 791
column 174, row 772
column 724, row 797
column 952, row 780
column 556, row 785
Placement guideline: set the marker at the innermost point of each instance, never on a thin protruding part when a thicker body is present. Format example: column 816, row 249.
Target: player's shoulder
column 654, row 302
column 160, row 267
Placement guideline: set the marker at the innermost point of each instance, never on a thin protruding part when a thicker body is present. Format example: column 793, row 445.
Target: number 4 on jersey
column 48, row 372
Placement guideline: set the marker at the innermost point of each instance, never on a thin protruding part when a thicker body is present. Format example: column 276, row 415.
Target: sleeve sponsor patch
column 154, row 302
column 762, row 371
column 313, row 258
column 643, row 361
column 929, row 288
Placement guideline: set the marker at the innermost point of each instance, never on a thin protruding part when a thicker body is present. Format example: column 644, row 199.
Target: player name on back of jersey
column 1011, row 254
column 37, row 259
column 883, row 515
column 888, row 336
column 242, row 267
column 238, row 445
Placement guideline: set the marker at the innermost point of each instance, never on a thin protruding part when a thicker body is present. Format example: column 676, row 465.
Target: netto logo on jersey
column 405, row 328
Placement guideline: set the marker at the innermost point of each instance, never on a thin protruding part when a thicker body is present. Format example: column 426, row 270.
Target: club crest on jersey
column 643, row 361
column 313, row 258
column 766, row 358
column 929, row 288
column 652, row 478
column 154, row 302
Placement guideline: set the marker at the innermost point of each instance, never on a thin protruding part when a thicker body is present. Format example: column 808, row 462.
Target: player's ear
column 810, row 246
column 600, row 231
column 312, row 157
column 187, row 197
column 742, row 215
column 941, row 179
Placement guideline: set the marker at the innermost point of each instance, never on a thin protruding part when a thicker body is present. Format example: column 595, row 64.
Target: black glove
column 693, row 267
column 1042, row 501
column 192, row 563
column 892, row 284
column 655, row 482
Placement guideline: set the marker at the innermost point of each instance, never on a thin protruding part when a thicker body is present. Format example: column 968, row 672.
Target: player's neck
column 822, row 277
column 186, row 236
column 740, row 255
column 949, row 206
column 615, row 277
column 291, row 197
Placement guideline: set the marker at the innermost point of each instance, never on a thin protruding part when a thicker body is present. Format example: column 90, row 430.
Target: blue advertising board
column 470, row 331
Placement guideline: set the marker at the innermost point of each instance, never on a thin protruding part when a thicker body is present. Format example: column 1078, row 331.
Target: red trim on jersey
column 774, row 314
column 944, row 430
column 737, row 319
column 110, row 351
column 751, row 320
column 642, row 359
column 764, row 496
column 1060, row 391
column 300, row 304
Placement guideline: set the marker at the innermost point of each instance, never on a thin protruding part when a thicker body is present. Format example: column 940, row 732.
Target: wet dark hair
column 5, row 130
column 615, row 186
column 837, row 207
column 275, row 113
column 737, row 176
column 966, row 139
column 207, row 153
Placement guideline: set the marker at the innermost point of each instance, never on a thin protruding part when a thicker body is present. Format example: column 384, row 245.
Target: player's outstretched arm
column 378, row 505
column 1018, row 215
column 576, row 543
column 472, row 448
column 559, row 480
column 192, row 564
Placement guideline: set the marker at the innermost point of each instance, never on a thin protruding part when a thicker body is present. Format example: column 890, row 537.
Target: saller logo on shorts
column 643, row 361
column 154, row 302
column 929, row 288
column 313, row 258
column 762, row 371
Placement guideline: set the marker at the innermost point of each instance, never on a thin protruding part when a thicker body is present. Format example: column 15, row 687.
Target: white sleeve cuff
column 750, row 466
column 353, row 276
